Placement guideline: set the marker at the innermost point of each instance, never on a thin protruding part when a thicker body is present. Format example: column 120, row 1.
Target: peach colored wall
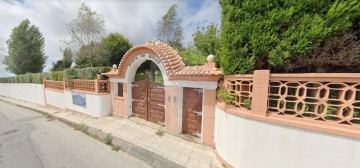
column 119, row 104
column 172, row 109
column 208, row 117
column 260, row 92
column 272, row 93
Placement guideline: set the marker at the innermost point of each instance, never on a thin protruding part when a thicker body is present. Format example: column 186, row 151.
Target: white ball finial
column 114, row 66
column 211, row 58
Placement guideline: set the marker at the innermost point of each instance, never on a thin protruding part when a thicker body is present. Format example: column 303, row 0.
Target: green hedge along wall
column 78, row 73
column 263, row 34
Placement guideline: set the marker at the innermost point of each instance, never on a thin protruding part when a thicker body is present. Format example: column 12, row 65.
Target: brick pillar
column 209, row 117
column 260, row 92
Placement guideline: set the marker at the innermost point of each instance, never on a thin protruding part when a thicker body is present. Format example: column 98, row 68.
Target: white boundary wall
column 96, row 105
column 55, row 98
column 29, row 92
column 249, row 143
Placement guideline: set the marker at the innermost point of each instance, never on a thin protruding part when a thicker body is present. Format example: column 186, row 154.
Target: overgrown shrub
column 56, row 75
column 226, row 96
column 262, row 34
column 85, row 73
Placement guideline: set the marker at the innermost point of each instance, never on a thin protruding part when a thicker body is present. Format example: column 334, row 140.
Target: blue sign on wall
column 79, row 99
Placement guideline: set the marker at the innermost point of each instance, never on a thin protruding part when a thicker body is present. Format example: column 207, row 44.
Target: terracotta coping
column 175, row 67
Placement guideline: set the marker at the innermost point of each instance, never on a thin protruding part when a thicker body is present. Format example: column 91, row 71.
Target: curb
column 145, row 155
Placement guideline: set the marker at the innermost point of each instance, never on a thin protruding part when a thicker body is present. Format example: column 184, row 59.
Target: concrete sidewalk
column 140, row 133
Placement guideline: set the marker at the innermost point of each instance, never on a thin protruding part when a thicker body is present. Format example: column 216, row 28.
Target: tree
column 86, row 30
column 261, row 34
column 93, row 55
column 207, row 41
column 25, row 49
column 65, row 62
column 67, row 58
column 117, row 45
column 169, row 28
column 193, row 56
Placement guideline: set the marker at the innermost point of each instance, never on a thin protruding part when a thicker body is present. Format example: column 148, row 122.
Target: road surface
column 30, row 140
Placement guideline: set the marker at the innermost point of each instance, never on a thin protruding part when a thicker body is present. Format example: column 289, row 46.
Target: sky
column 135, row 19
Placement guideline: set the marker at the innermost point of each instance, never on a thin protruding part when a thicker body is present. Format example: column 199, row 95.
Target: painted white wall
column 54, row 98
column 249, row 143
column 29, row 92
column 96, row 105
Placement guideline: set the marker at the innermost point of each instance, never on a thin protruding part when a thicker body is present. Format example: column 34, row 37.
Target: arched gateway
column 185, row 103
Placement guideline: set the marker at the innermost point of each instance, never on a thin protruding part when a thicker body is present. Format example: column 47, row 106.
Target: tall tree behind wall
column 117, row 45
column 86, row 31
column 25, row 49
column 169, row 28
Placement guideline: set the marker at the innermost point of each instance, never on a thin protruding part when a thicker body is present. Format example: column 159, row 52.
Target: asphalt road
column 30, row 140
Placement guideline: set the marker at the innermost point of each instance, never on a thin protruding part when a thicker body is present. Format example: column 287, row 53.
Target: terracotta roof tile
column 172, row 61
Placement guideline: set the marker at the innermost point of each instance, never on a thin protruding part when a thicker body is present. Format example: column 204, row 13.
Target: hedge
column 263, row 34
column 25, row 78
column 77, row 73
column 85, row 73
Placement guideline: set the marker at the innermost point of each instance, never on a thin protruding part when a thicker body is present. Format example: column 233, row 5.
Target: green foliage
column 169, row 28
column 160, row 133
column 193, row 56
column 92, row 55
column 86, row 32
column 65, row 62
column 247, row 103
column 117, row 45
column 108, row 139
column 207, row 41
column 56, row 75
column 115, row 148
column 25, row 49
column 67, row 58
column 226, row 96
column 57, row 66
column 261, row 34
column 25, row 78
column 82, row 127
column 85, row 73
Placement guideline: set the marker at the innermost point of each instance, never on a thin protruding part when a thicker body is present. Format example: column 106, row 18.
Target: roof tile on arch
column 169, row 56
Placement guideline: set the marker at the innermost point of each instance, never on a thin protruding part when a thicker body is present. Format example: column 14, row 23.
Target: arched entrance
column 148, row 93
column 181, row 86
column 145, row 98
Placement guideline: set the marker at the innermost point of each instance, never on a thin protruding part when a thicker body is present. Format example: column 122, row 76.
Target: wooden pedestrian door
column 192, row 111
column 149, row 101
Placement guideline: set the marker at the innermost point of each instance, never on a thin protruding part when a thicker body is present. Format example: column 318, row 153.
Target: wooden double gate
column 149, row 101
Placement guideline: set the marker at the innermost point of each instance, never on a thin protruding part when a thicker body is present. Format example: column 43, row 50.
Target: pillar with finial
column 211, row 61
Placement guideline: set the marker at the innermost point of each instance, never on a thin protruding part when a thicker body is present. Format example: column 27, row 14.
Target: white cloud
column 135, row 19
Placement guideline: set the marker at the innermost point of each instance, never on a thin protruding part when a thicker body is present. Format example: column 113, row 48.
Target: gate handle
column 199, row 113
